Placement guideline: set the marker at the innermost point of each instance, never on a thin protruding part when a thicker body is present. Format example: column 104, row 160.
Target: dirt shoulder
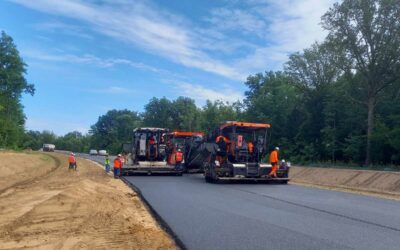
column 375, row 183
column 22, row 167
column 69, row 210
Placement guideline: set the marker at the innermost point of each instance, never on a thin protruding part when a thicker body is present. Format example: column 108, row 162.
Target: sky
column 86, row 57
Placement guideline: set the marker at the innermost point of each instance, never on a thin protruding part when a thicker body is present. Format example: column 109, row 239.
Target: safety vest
column 107, row 161
column 178, row 156
column 117, row 163
column 71, row 159
column 152, row 141
column 273, row 157
column 250, row 146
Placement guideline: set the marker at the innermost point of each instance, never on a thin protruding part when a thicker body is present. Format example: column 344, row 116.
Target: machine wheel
column 214, row 177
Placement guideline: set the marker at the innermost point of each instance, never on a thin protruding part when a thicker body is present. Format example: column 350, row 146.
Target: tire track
column 57, row 164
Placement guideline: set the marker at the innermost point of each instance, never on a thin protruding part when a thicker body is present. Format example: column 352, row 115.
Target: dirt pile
column 70, row 210
column 378, row 182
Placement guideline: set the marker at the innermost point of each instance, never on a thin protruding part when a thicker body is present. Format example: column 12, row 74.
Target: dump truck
column 146, row 153
column 49, row 147
column 237, row 151
column 186, row 142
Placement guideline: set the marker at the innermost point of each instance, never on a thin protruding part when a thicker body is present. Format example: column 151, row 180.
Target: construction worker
column 273, row 159
column 107, row 164
column 283, row 165
column 222, row 142
column 152, row 143
column 72, row 161
column 250, row 148
column 117, row 166
column 178, row 158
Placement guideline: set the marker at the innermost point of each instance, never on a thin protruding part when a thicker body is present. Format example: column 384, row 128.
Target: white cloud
column 237, row 19
column 201, row 94
column 136, row 23
column 86, row 59
column 68, row 29
column 270, row 30
column 292, row 26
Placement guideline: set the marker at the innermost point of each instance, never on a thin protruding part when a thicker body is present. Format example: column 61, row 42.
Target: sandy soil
column 65, row 209
column 18, row 167
column 375, row 183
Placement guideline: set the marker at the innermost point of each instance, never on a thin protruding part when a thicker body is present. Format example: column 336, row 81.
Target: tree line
column 337, row 101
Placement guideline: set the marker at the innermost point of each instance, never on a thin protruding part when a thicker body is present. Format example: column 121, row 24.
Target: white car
column 93, row 152
column 103, row 152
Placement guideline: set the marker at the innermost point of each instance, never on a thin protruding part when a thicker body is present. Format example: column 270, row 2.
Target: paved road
column 252, row 216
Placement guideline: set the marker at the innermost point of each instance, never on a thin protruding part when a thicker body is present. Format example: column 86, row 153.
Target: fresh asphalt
column 265, row 216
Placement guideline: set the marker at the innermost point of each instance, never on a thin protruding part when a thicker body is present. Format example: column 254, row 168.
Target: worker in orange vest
column 273, row 159
column 72, row 161
column 250, row 148
column 117, row 166
column 222, row 143
column 178, row 159
column 152, row 146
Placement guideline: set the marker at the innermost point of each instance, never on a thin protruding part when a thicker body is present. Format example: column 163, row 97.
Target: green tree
column 314, row 72
column 272, row 98
column 35, row 139
column 185, row 114
column 74, row 141
column 158, row 113
column 113, row 129
column 214, row 113
column 367, row 33
column 12, row 85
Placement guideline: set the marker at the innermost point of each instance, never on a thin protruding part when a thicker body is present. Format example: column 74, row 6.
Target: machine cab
column 180, row 140
column 148, row 144
column 241, row 142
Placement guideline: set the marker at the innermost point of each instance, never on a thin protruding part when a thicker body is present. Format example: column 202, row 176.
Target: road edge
column 164, row 225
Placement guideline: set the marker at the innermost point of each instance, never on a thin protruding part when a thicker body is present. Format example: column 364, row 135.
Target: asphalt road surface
column 262, row 216
column 259, row 216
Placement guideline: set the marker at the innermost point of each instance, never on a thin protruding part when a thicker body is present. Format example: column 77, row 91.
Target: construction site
column 200, row 125
column 46, row 205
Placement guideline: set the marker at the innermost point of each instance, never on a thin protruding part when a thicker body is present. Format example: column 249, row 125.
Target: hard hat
column 179, row 150
column 119, row 155
column 71, row 153
column 283, row 160
column 277, row 148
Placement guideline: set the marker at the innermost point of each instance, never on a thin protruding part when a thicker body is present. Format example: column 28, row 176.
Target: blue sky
column 86, row 57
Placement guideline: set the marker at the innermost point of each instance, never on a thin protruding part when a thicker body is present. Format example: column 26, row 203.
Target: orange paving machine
column 237, row 151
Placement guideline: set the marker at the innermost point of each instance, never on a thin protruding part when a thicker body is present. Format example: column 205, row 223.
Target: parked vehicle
column 93, row 152
column 103, row 152
column 49, row 147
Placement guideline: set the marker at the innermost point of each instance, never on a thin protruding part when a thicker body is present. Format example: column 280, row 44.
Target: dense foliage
column 12, row 85
column 337, row 101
